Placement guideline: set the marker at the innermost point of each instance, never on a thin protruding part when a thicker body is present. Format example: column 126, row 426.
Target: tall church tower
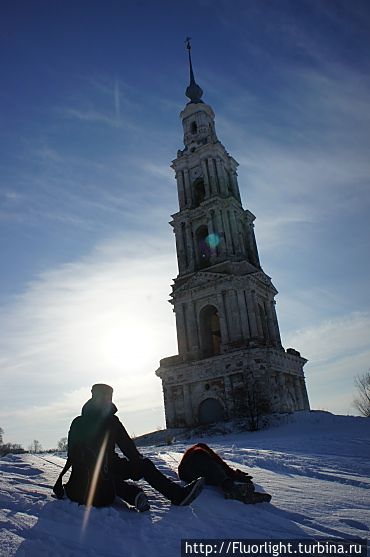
column 230, row 352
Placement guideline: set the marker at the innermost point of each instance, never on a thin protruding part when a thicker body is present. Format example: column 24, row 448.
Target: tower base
column 227, row 386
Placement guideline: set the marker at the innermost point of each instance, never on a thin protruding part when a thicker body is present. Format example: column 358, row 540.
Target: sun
column 132, row 343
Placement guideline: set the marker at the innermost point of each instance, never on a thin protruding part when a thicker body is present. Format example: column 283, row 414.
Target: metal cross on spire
column 193, row 91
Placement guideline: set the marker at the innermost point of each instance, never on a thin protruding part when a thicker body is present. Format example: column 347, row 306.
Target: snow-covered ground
column 317, row 469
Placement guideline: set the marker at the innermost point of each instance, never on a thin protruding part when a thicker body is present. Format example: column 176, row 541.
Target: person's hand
column 58, row 489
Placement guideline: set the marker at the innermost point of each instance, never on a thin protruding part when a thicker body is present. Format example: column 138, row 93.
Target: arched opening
column 199, row 192
column 193, row 128
column 210, row 334
column 210, row 411
column 203, row 249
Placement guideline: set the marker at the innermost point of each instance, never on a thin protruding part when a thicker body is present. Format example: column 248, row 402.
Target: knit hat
column 100, row 389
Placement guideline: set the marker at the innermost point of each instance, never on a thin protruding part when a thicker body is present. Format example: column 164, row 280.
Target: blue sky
column 89, row 123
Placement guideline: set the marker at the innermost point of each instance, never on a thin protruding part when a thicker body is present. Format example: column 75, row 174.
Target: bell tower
column 227, row 329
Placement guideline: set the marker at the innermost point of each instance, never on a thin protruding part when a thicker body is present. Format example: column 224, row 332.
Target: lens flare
column 93, row 483
column 213, row 240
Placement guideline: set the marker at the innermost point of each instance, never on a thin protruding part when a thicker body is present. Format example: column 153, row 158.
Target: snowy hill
column 317, row 469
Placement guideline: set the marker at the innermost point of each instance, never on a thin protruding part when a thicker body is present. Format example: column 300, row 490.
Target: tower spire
column 193, row 91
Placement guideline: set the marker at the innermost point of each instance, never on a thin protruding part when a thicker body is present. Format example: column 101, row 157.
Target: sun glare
column 132, row 343
column 93, row 484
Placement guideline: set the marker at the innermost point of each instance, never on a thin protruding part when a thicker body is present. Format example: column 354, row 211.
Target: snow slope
column 317, row 469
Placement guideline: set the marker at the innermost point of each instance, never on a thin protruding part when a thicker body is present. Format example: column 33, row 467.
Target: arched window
column 210, row 334
column 203, row 249
column 199, row 192
column 193, row 128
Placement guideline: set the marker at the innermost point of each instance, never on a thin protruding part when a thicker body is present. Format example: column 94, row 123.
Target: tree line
column 34, row 447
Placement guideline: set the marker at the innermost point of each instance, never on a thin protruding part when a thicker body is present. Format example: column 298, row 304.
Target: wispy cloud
column 117, row 100
column 334, row 339
column 92, row 116
column 307, row 160
column 337, row 350
column 107, row 102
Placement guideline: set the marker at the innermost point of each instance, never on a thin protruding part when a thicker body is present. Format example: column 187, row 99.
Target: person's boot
column 258, row 497
column 141, row 502
column 247, row 496
column 239, row 491
column 188, row 493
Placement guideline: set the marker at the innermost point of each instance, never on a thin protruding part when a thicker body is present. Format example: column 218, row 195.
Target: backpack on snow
column 91, row 481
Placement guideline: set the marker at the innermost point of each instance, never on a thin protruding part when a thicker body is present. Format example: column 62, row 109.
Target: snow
column 317, row 469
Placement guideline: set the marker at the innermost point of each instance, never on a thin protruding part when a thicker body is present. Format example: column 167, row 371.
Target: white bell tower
column 227, row 328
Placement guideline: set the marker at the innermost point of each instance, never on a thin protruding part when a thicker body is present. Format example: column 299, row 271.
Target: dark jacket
column 186, row 467
column 91, row 449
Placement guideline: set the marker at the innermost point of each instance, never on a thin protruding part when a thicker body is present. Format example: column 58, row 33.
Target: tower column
column 258, row 316
column 211, row 232
column 252, row 314
column 296, row 392
column 234, row 184
column 270, row 323
column 224, row 325
column 226, row 228
column 212, row 176
column 169, row 406
column 188, row 410
column 253, row 244
column 182, row 340
column 180, row 250
column 180, row 190
column 189, row 196
column 205, row 178
column 220, row 232
column 234, row 315
column 235, row 232
column 195, row 330
column 243, row 315
column 298, row 388
column 190, row 246
column 192, row 328
column 221, row 176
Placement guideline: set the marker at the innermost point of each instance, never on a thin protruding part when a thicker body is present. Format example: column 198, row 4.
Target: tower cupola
column 197, row 117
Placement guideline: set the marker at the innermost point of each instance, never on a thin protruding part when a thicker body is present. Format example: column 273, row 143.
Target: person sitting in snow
column 98, row 473
column 203, row 461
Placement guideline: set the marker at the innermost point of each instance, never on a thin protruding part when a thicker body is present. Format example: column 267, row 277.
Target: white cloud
column 333, row 339
column 337, row 351
column 93, row 116
column 305, row 160
column 104, row 318
column 331, row 385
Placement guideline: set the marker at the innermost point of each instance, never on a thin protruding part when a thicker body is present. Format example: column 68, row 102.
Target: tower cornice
column 187, row 158
column 214, row 202
column 191, row 109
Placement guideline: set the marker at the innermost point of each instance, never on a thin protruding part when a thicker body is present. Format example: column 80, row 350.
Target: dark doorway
column 210, row 411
